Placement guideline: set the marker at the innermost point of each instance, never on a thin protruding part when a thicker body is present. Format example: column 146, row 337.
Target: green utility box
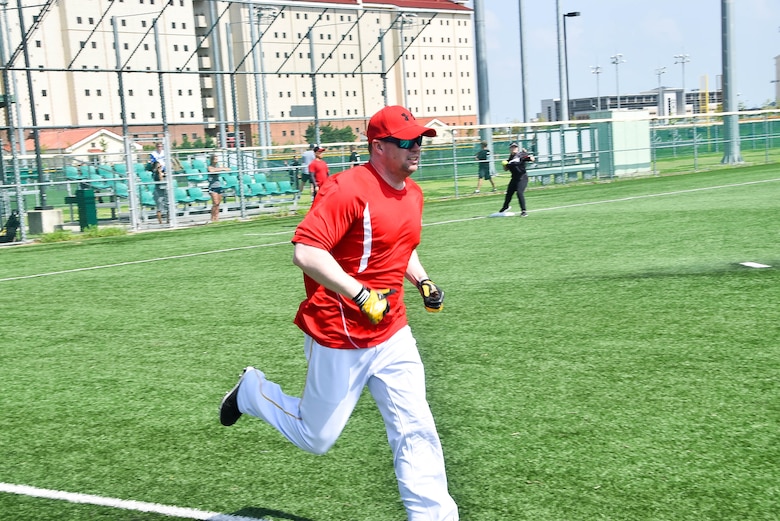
column 85, row 200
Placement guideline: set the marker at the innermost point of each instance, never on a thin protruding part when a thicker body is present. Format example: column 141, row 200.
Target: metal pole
column 216, row 44
column 564, row 113
column 255, row 16
column 403, row 22
column 596, row 69
column 566, row 56
column 314, row 86
column 13, row 88
column 616, row 60
column 732, row 154
column 9, row 114
column 523, row 74
column 33, row 113
column 266, row 123
column 384, row 66
column 131, row 186
column 169, row 180
column 682, row 59
column 483, row 88
column 659, row 72
column 236, row 127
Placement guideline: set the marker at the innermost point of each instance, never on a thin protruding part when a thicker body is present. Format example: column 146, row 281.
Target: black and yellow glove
column 433, row 296
column 373, row 303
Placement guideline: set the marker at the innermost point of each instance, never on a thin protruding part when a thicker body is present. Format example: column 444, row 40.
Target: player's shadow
column 264, row 513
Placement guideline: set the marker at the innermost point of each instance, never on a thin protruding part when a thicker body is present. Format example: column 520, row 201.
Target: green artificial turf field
column 607, row 357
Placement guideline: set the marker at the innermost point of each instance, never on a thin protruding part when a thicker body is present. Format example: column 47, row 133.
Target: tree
column 328, row 134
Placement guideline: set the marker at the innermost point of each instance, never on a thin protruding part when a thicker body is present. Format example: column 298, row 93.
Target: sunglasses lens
column 409, row 143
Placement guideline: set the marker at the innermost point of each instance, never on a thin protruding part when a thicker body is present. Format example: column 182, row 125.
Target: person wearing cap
column 356, row 247
column 519, row 180
column 318, row 170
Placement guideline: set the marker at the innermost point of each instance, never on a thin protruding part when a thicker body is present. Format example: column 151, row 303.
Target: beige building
column 207, row 67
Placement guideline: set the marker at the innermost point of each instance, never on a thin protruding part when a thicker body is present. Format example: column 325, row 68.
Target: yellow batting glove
column 373, row 303
column 433, row 296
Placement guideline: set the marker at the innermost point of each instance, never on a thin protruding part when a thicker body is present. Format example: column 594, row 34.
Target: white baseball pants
column 335, row 379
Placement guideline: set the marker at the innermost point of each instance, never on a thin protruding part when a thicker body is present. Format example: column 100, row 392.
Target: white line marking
column 143, row 261
column 451, row 221
column 750, row 264
column 138, row 506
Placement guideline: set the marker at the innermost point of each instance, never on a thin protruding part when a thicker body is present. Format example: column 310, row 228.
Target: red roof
column 409, row 4
column 59, row 139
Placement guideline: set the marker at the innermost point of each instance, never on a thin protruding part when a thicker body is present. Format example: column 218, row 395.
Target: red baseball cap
column 398, row 122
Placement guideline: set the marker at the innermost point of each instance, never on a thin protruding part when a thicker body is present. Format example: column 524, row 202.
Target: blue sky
column 648, row 34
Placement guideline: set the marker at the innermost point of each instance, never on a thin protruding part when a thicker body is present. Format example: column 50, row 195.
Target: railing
column 580, row 151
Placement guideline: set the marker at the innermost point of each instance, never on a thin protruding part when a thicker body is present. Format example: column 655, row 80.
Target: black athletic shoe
column 523, row 214
column 228, row 409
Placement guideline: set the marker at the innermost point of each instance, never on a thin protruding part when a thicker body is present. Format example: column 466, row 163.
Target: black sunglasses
column 404, row 143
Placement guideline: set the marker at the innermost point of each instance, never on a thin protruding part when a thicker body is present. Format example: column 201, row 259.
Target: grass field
column 607, row 358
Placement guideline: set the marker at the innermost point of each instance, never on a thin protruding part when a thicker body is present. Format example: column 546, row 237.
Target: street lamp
column 596, row 69
column 566, row 54
column 565, row 69
column 616, row 60
column 659, row 72
column 682, row 59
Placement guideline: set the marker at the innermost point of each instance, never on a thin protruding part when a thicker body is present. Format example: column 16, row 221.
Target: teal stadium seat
column 286, row 187
column 272, row 188
column 197, row 194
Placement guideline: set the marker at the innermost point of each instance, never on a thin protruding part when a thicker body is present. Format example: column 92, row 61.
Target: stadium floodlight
column 596, row 69
column 616, row 60
column 660, row 71
column 682, row 59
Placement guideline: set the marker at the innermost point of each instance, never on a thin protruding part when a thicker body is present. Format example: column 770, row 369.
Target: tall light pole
column 405, row 20
column 732, row 153
column 596, row 69
column 566, row 55
column 523, row 75
column 682, row 59
column 616, row 60
column 261, row 92
column 659, row 71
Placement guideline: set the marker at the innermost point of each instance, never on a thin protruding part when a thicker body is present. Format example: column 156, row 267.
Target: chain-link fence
column 116, row 189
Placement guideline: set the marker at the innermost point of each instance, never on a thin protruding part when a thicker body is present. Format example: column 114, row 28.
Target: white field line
column 620, row 200
column 137, row 506
column 451, row 221
column 142, row 261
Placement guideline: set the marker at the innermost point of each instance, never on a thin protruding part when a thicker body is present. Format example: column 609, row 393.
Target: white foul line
column 138, row 506
column 142, row 261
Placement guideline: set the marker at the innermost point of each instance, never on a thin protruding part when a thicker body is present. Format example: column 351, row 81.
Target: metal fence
column 48, row 191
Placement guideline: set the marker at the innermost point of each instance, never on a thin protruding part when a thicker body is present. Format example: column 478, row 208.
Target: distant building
column 695, row 102
column 202, row 65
